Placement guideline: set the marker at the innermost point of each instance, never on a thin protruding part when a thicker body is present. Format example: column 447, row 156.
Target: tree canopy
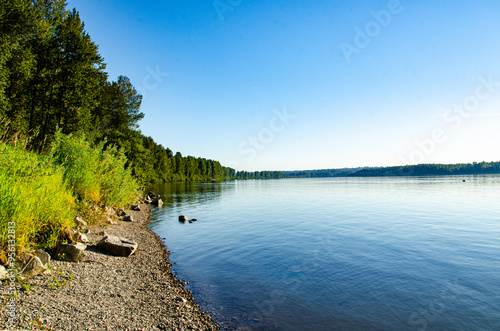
column 52, row 78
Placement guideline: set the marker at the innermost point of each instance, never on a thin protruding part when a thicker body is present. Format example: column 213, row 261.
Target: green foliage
column 432, row 170
column 34, row 196
column 52, row 76
column 97, row 174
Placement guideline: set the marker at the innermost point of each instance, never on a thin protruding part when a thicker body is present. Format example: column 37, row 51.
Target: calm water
column 339, row 254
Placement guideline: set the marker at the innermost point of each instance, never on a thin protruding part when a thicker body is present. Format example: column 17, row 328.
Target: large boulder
column 71, row 253
column 32, row 266
column 117, row 246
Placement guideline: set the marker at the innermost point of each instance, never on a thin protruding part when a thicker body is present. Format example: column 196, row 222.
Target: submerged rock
column 117, row 246
column 183, row 218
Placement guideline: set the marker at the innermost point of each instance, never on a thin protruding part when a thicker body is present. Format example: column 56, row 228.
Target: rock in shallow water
column 117, row 246
column 157, row 202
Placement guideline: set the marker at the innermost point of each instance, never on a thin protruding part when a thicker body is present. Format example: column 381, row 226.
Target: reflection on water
column 178, row 196
column 339, row 254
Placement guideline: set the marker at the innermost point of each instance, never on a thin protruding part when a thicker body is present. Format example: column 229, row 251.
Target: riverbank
column 113, row 293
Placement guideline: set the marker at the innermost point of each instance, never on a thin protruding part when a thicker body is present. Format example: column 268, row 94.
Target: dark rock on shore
column 128, row 218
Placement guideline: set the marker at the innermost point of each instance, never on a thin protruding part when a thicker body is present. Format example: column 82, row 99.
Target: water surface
column 339, row 253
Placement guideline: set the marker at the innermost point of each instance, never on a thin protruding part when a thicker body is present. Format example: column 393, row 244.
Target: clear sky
column 288, row 85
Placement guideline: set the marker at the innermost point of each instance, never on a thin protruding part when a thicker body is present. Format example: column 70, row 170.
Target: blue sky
column 286, row 85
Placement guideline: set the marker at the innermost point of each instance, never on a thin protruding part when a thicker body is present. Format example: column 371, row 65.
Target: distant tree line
column 344, row 172
column 52, row 77
column 260, row 175
column 476, row 168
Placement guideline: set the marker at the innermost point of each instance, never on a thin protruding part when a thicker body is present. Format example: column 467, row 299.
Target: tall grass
column 34, row 196
column 97, row 174
column 38, row 192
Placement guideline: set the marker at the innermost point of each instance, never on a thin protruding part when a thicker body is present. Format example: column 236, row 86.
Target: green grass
column 38, row 192
column 34, row 196
column 97, row 174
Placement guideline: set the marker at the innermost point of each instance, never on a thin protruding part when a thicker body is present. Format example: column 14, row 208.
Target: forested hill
column 432, row 170
column 53, row 77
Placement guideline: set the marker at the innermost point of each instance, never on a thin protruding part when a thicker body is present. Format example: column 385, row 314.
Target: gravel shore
column 113, row 293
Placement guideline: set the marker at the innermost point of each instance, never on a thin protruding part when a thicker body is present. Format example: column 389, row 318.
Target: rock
column 121, row 212
column 103, row 233
column 3, row 272
column 80, row 222
column 81, row 237
column 135, row 207
column 32, row 266
column 193, row 220
column 180, row 300
column 157, row 202
column 117, row 246
column 71, row 253
column 43, row 256
column 128, row 218
column 109, row 211
column 183, row 218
